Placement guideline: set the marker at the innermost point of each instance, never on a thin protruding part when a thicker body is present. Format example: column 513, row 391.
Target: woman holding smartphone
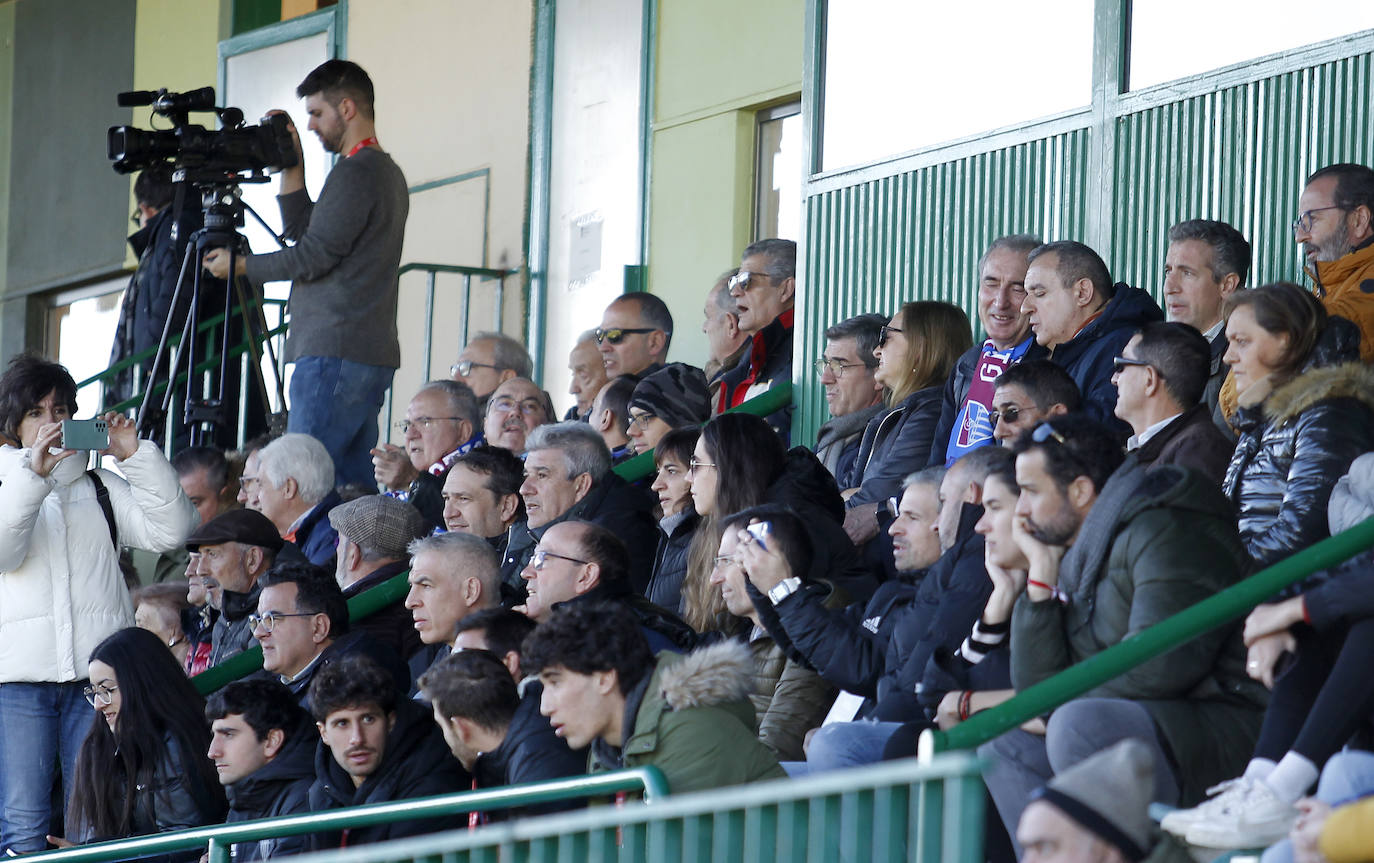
column 61, row 590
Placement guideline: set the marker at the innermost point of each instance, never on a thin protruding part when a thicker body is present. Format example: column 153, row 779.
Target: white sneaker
column 1220, row 798
column 1258, row 820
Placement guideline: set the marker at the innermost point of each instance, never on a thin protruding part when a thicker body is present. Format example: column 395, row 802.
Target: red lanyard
column 366, row 142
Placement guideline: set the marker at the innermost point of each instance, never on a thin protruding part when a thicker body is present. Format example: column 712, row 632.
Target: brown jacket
column 1190, row 441
column 789, row 699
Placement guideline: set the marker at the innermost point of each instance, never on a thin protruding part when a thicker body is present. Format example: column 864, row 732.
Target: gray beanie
column 676, row 394
column 1109, row 795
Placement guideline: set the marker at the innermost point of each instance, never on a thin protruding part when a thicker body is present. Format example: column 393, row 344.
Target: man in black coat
column 264, row 751
column 375, row 533
column 442, row 423
column 568, row 476
column 376, row 747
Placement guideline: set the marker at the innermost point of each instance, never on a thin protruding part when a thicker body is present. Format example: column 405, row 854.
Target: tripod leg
column 141, row 422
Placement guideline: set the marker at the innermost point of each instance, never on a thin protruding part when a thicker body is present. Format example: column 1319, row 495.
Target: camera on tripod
column 231, row 150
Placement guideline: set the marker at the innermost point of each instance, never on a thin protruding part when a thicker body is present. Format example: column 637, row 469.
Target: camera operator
column 343, row 269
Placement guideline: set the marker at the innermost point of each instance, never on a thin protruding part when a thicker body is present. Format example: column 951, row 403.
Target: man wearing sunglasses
column 763, row 290
column 1026, row 395
column 636, row 330
column 1335, row 227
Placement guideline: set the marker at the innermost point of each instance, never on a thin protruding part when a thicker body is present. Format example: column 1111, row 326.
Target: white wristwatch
column 783, row 589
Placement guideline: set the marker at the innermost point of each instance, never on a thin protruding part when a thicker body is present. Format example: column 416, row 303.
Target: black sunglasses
column 616, row 335
column 1120, row 364
column 882, row 334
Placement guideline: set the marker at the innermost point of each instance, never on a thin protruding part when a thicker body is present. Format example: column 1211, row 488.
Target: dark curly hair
column 351, row 681
column 1088, row 449
column 585, row 638
column 263, row 704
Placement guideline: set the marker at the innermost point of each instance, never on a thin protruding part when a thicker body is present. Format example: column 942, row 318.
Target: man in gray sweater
column 343, row 269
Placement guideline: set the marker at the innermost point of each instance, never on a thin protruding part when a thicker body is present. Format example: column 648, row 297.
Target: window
column 1173, row 39
column 777, row 189
column 80, row 332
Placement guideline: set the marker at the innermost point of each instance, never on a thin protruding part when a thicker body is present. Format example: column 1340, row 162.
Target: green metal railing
column 219, row 837
column 896, row 811
column 432, row 271
column 1213, row 612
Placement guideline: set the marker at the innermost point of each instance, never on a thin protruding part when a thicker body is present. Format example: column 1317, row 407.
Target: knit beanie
column 1108, row 795
column 676, row 394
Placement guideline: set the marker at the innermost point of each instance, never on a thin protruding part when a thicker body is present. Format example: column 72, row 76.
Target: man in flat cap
column 674, row 396
column 374, row 533
column 234, row 549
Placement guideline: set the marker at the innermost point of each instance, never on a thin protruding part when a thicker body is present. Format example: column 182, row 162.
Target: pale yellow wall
column 717, row 61
column 452, row 82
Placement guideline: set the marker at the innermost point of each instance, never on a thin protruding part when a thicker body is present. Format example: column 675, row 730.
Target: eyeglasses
column 423, row 422
column 528, row 407
column 882, row 334
column 463, row 368
column 541, row 556
column 268, row 621
column 724, row 560
column 693, row 466
column 1120, row 364
column 643, row 420
column 1011, row 414
column 1304, row 221
column 836, row 367
column 743, row 281
column 616, row 335
column 1045, row 431
column 98, row 695
column 247, row 482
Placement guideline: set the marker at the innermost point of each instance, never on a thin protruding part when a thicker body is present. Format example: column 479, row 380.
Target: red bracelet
column 965, row 700
column 1030, row 582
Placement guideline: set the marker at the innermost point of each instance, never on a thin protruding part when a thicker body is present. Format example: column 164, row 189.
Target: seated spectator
column 966, row 406
column 234, row 550
column 489, row 360
column 263, row 747
column 515, row 409
column 482, row 495
column 249, row 476
column 673, row 457
column 142, row 768
column 1160, row 377
column 610, row 415
column 302, row 625
column 852, row 393
column 1300, row 425
column 198, row 621
column 158, row 608
column 943, row 610
column 689, row 716
column 375, row 533
column 635, row 333
column 376, row 747
column 588, row 375
column 501, row 632
column 1108, row 560
column 726, row 343
column 764, row 290
column 296, row 491
column 789, row 698
column 442, row 422
column 1028, row 394
column 568, row 476
column 452, row 575
column 579, row 562
column 672, row 397
column 1323, row 635
column 203, row 473
column 497, row 735
column 915, row 352
column 1097, row 811
column 1207, row 261
column 1084, row 320
column 739, row 462
column 1335, row 227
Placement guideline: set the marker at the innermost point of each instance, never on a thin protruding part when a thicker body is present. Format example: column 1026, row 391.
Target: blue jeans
column 1347, row 776
column 41, row 726
column 337, row 401
column 844, row 744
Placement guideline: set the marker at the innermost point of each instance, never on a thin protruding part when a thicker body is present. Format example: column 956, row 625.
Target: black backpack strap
column 102, row 497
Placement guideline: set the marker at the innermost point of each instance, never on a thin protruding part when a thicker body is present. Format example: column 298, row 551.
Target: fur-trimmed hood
column 1288, row 400
column 716, row 674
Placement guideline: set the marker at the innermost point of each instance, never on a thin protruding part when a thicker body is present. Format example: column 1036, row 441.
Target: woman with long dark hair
column 142, row 768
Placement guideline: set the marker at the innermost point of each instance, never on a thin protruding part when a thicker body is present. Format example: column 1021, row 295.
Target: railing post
column 499, row 316
column 467, row 307
column 429, row 320
column 217, row 851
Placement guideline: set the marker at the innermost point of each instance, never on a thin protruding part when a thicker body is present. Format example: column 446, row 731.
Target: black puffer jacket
column 808, row 489
column 530, row 752
column 894, row 444
column 280, row 787
column 675, row 534
column 1294, row 445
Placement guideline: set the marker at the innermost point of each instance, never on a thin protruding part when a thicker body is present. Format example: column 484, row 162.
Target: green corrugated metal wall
column 1236, row 153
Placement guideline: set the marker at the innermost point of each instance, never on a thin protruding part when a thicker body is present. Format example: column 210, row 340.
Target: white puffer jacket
column 61, row 591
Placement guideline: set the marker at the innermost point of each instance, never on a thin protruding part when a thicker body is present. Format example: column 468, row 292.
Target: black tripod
column 205, row 415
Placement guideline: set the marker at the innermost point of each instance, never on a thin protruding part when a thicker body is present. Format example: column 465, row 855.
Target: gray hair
column 583, row 449
column 721, row 291
column 468, row 555
column 1021, row 244
column 780, row 254
column 864, row 330
column 932, row 475
column 460, row 399
column 302, row 458
column 507, row 353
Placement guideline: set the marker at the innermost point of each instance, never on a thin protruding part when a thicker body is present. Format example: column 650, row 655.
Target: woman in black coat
column 672, row 456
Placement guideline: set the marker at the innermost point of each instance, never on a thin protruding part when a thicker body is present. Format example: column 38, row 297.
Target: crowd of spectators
column 974, row 517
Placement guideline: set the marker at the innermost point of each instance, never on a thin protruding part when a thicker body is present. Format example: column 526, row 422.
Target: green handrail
column 498, row 306
column 1215, row 611
column 219, row 837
